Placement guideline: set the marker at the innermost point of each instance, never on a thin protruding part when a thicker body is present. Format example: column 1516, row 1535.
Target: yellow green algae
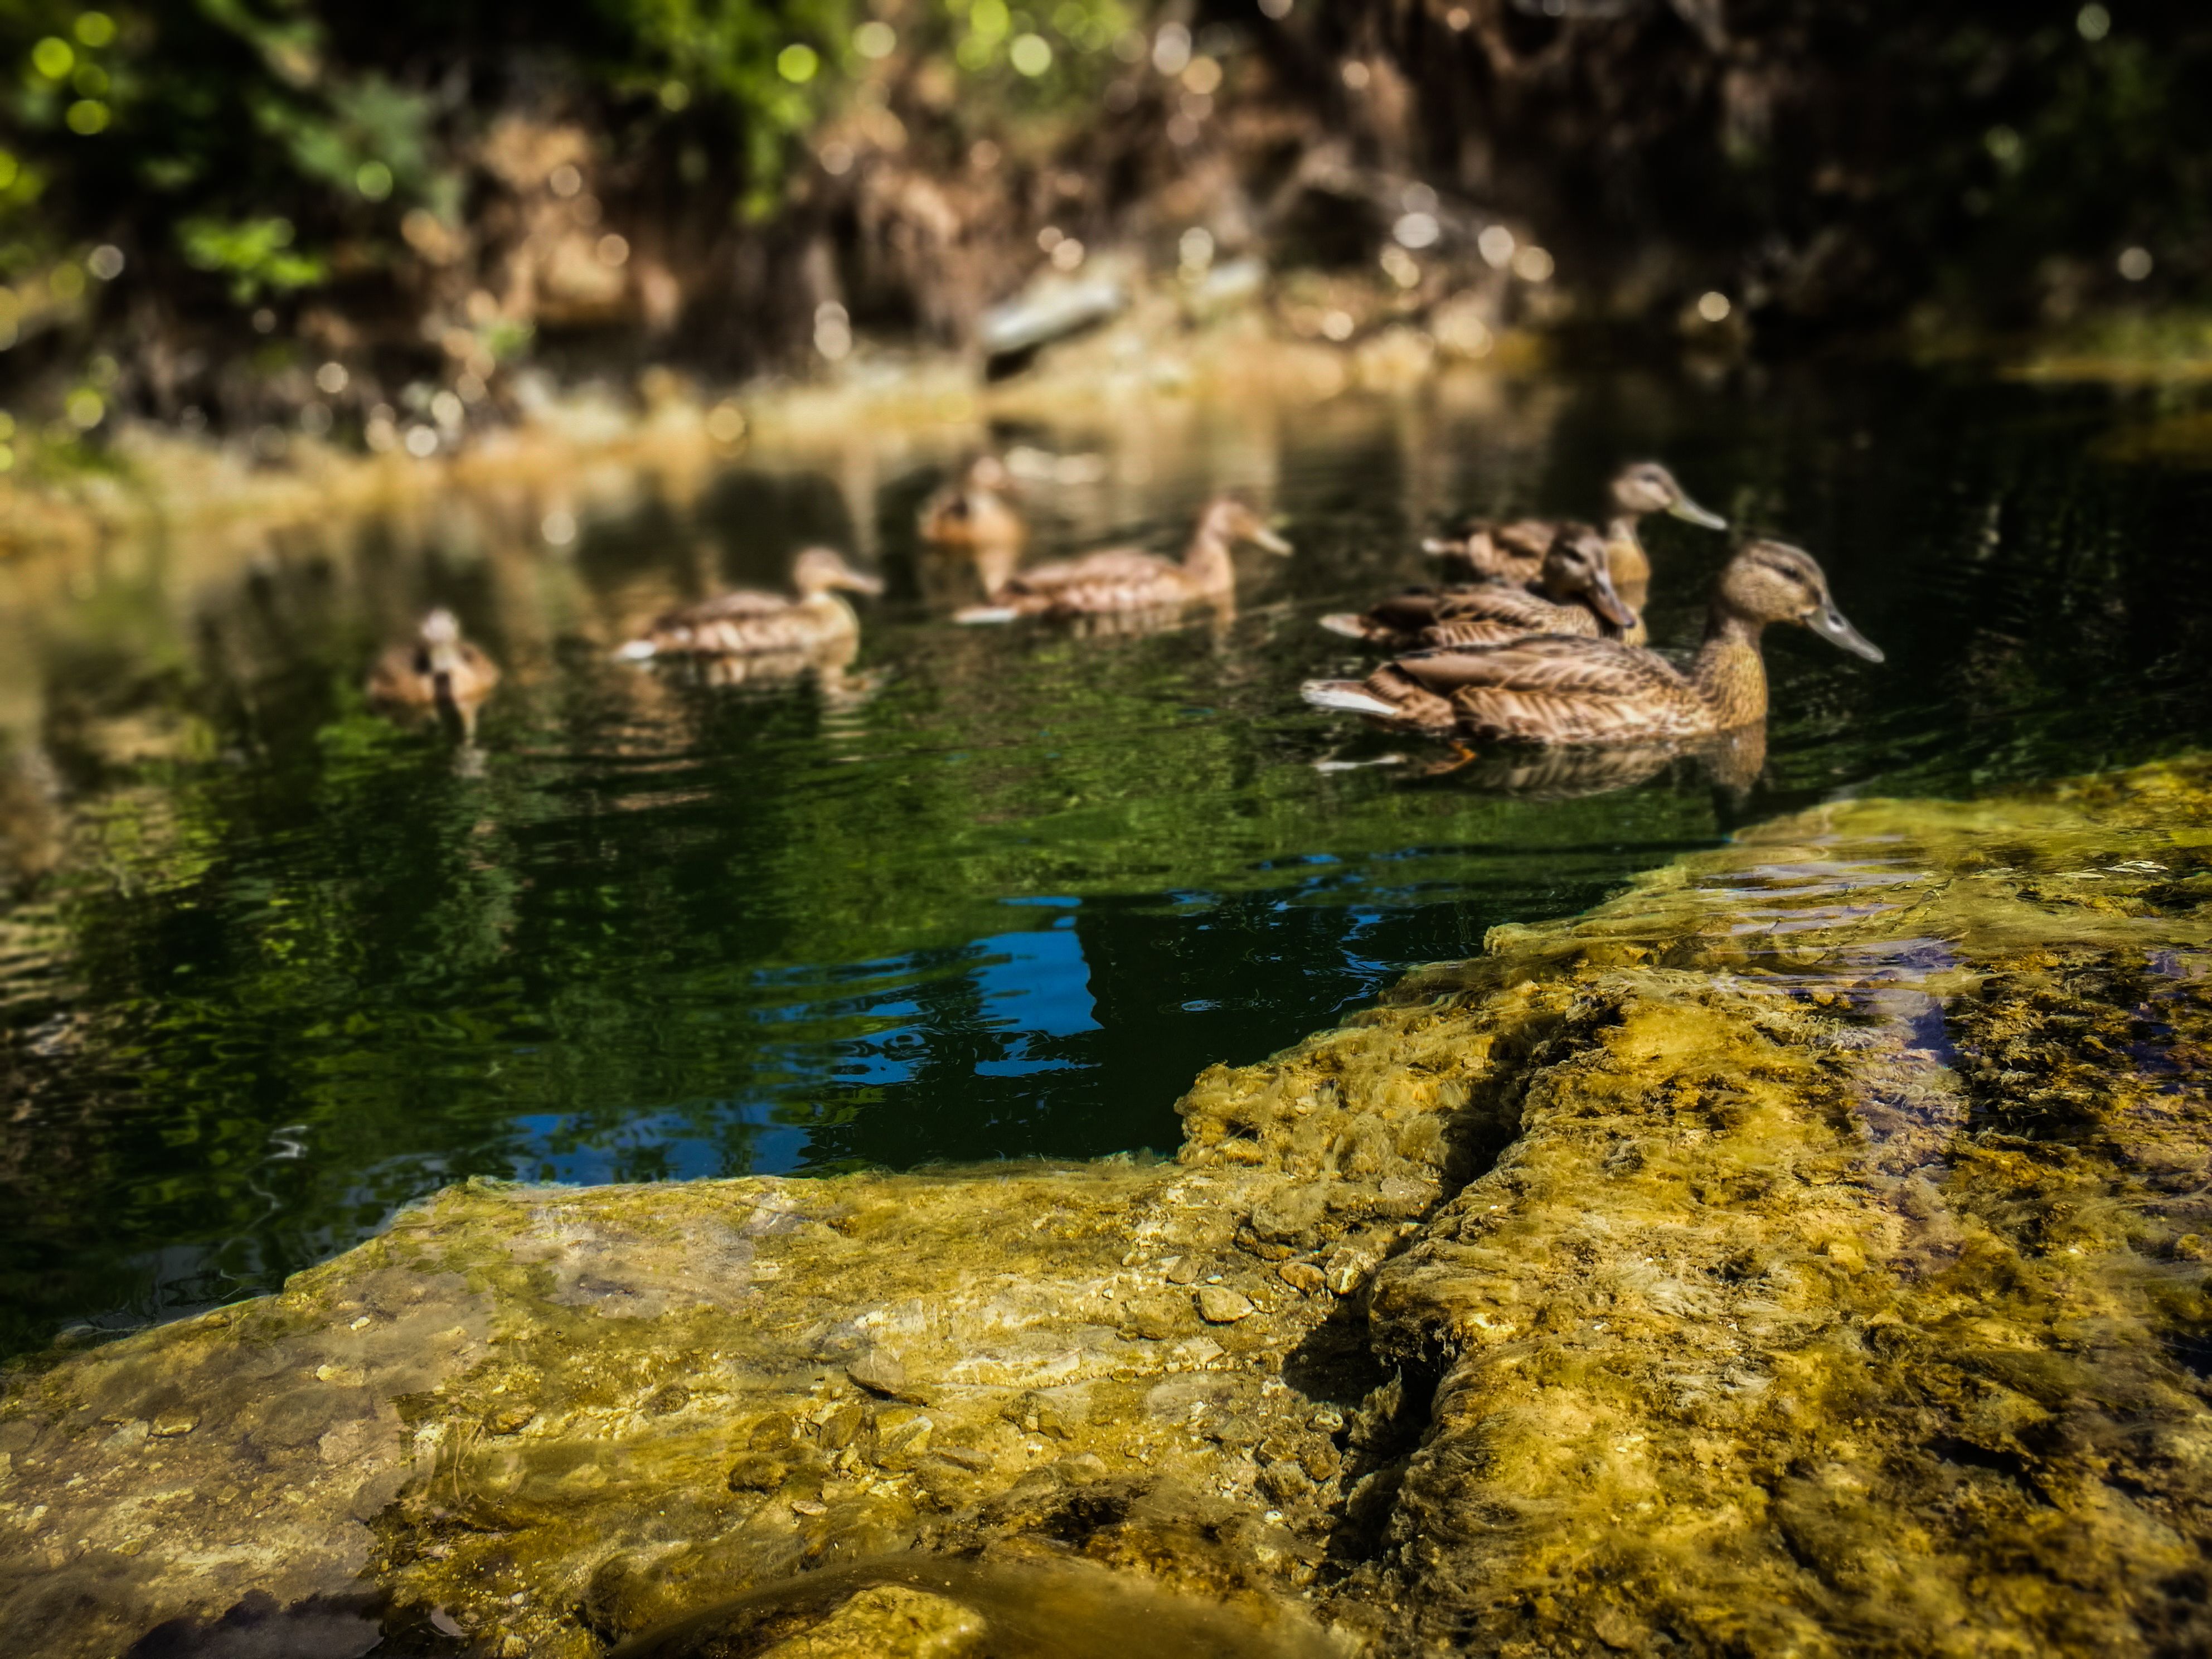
column 1806, row 1252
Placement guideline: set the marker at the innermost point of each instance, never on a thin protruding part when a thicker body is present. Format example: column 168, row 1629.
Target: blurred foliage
column 2015, row 164
column 277, row 145
column 256, row 253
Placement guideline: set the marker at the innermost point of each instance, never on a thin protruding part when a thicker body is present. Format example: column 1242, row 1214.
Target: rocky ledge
column 1805, row 1253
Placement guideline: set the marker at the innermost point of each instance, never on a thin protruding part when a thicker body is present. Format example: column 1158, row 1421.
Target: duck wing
column 742, row 623
column 1498, row 553
column 1551, row 689
column 1524, row 538
column 1399, row 620
column 1118, row 579
column 399, row 675
column 1495, row 613
column 738, row 602
column 477, row 673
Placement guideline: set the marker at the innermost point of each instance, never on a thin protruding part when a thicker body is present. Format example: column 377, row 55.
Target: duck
column 1557, row 689
column 750, row 622
column 1515, row 552
column 973, row 511
column 1574, row 594
column 436, row 669
column 1127, row 580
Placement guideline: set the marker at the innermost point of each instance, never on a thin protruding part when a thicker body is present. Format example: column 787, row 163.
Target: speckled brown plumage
column 1565, row 690
column 748, row 623
column 973, row 512
column 1574, row 595
column 437, row 666
column 1515, row 552
column 1125, row 579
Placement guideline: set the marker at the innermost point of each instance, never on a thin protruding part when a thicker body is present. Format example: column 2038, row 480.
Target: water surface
column 277, row 964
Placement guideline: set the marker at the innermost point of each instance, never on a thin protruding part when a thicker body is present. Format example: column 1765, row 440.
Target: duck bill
column 1829, row 623
column 1267, row 538
column 854, row 582
column 1607, row 603
column 1690, row 513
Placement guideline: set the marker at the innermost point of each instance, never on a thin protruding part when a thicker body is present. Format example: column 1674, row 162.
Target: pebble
column 1219, row 1305
column 878, row 1371
column 1303, row 1276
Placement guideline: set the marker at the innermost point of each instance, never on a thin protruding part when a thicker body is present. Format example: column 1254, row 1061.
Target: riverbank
column 561, row 447
column 1803, row 1251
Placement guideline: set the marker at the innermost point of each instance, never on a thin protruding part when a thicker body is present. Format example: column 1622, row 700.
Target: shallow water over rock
column 1803, row 1252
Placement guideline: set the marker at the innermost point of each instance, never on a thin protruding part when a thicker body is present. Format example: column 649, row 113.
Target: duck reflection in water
column 1731, row 761
column 437, row 674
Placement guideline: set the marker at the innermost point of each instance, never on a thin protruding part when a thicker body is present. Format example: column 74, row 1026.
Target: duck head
column 987, row 475
column 1775, row 582
column 440, row 635
column 1645, row 487
column 1228, row 520
column 1579, row 566
column 819, row 569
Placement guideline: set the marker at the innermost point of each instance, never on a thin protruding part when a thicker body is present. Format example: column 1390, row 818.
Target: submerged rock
column 1805, row 1252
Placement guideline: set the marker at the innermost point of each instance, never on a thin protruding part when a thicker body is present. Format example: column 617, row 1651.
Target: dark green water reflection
column 296, row 964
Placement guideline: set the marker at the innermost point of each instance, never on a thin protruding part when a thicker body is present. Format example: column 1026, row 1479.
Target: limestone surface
column 1804, row 1253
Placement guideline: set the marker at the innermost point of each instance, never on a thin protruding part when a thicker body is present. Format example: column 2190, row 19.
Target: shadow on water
column 276, row 964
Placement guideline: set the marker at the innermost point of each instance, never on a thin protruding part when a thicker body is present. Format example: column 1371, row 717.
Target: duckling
column 1574, row 595
column 975, row 513
column 438, row 668
column 747, row 622
column 1515, row 552
column 1559, row 690
column 1123, row 580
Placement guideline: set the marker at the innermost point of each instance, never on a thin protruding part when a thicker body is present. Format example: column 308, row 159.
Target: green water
column 276, row 964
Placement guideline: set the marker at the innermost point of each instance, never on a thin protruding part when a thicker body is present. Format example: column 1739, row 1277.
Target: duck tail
column 637, row 651
column 1349, row 623
column 1348, row 697
column 985, row 613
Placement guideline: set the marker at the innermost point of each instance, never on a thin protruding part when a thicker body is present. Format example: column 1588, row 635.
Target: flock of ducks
column 1537, row 636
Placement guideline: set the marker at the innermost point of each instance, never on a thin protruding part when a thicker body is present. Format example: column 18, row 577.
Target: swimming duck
column 1515, row 552
column 1125, row 579
column 748, row 623
column 1574, row 594
column 973, row 511
column 437, row 668
column 1558, row 691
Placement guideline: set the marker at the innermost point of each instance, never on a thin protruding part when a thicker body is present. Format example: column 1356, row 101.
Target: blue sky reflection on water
column 1028, row 987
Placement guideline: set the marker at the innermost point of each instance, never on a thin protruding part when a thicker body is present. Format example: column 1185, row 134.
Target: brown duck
column 1515, row 552
column 973, row 511
column 1127, row 579
column 748, row 623
column 1574, row 594
column 1556, row 691
column 437, row 668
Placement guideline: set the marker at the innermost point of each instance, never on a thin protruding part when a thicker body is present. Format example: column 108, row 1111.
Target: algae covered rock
column 1805, row 1252
column 774, row 1377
